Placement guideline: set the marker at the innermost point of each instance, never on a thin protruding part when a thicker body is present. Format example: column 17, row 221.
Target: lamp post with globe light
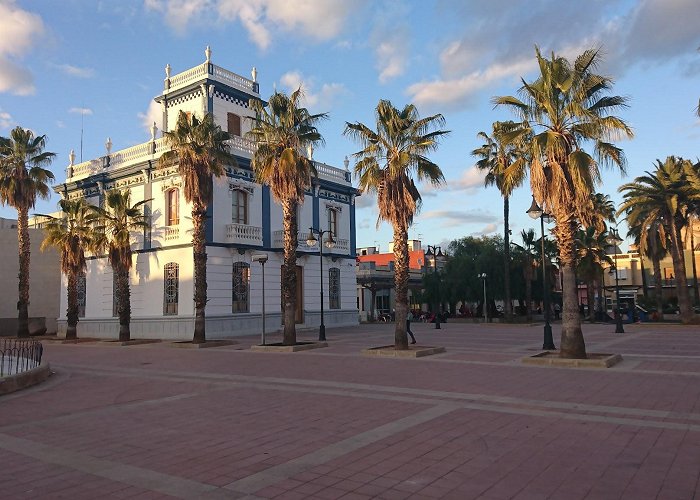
column 615, row 240
column 535, row 212
column 482, row 276
column 330, row 243
column 435, row 252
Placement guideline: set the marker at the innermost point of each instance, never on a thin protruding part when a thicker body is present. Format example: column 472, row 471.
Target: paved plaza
column 153, row 421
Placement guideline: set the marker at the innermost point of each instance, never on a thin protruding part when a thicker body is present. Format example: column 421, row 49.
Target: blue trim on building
column 315, row 205
column 266, row 229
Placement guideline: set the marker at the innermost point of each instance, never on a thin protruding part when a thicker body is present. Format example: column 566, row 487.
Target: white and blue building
column 243, row 220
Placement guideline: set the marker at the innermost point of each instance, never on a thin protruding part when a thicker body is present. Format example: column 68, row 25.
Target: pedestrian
column 409, row 317
column 557, row 310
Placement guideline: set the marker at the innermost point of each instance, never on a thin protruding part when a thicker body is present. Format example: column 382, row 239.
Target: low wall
column 13, row 383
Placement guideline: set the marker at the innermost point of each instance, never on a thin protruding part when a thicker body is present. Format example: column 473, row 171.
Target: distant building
column 244, row 220
column 44, row 281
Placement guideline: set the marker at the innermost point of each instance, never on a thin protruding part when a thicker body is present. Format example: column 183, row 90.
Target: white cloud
column 392, row 55
column 80, row 111
column 486, row 230
column 20, row 30
column 471, row 179
column 456, row 217
column 154, row 114
column 367, row 200
column 76, row 71
column 318, row 101
column 5, row 119
column 60, row 124
column 261, row 18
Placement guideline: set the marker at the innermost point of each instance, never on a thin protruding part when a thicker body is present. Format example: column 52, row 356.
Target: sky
column 96, row 65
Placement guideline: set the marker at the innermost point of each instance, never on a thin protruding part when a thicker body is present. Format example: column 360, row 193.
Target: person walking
column 409, row 317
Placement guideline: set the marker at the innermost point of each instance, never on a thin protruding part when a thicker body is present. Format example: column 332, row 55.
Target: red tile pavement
column 156, row 422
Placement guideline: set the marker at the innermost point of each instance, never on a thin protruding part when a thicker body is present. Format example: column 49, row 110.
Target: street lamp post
column 614, row 239
column 330, row 243
column 262, row 258
column 486, row 316
column 535, row 212
column 436, row 252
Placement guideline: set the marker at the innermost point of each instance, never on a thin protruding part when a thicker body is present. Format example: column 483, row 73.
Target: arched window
column 241, row 287
column 171, row 288
column 82, row 295
column 240, row 206
column 334, row 288
column 333, row 222
column 172, row 207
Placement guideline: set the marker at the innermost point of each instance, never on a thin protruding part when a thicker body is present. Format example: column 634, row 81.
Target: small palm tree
column 23, row 178
column 602, row 212
column 564, row 108
column 505, row 166
column 528, row 247
column 281, row 131
column 591, row 257
column 389, row 158
column 72, row 235
column 655, row 247
column 659, row 201
column 200, row 150
column 117, row 223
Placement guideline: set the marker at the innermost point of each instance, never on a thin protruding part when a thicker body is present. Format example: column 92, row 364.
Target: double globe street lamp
column 535, row 212
column 482, row 276
column 311, row 241
column 615, row 240
column 435, row 252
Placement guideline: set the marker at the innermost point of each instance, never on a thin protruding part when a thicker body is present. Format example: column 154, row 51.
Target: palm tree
column 591, row 257
column 23, row 178
column 72, row 235
column 659, row 201
column 603, row 211
column 389, row 158
column 200, row 150
column 564, row 108
column 117, row 223
column 281, row 131
column 505, row 167
column 528, row 246
column 654, row 247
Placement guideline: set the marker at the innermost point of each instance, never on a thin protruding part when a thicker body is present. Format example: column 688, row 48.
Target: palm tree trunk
column 289, row 272
column 24, row 255
column 696, row 292
column 679, row 270
column 506, row 255
column 72, row 311
column 124, row 305
column 658, row 287
column 645, row 286
column 200, row 273
column 590, row 292
column 401, row 286
column 572, row 344
column 601, row 295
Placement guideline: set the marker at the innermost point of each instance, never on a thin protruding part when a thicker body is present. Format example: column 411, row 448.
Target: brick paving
column 152, row 421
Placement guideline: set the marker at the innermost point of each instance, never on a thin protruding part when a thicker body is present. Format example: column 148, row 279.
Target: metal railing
column 17, row 356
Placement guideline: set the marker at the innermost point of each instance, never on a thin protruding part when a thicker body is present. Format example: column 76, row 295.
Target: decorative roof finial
column 108, row 145
column 207, row 53
column 254, row 74
column 346, row 162
column 167, row 71
column 71, row 158
column 154, row 131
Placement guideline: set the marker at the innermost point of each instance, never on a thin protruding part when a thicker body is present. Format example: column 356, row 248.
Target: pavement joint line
column 323, row 455
column 135, row 476
column 482, row 402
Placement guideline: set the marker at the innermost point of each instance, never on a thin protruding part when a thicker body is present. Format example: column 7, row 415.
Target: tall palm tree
column 390, row 156
column 117, row 223
column 602, row 212
column 23, row 178
column 282, row 131
column 591, row 246
column 659, row 201
column 200, row 150
column 566, row 107
column 528, row 247
column 73, row 234
column 505, row 168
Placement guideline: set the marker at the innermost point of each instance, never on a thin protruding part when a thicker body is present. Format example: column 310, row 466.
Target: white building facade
column 243, row 220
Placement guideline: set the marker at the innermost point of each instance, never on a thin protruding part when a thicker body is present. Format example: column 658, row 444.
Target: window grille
column 172, row 286
column 241, row 282
column 334, row 288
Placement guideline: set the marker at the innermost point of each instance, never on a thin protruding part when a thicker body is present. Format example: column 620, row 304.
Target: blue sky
column 102, row 62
